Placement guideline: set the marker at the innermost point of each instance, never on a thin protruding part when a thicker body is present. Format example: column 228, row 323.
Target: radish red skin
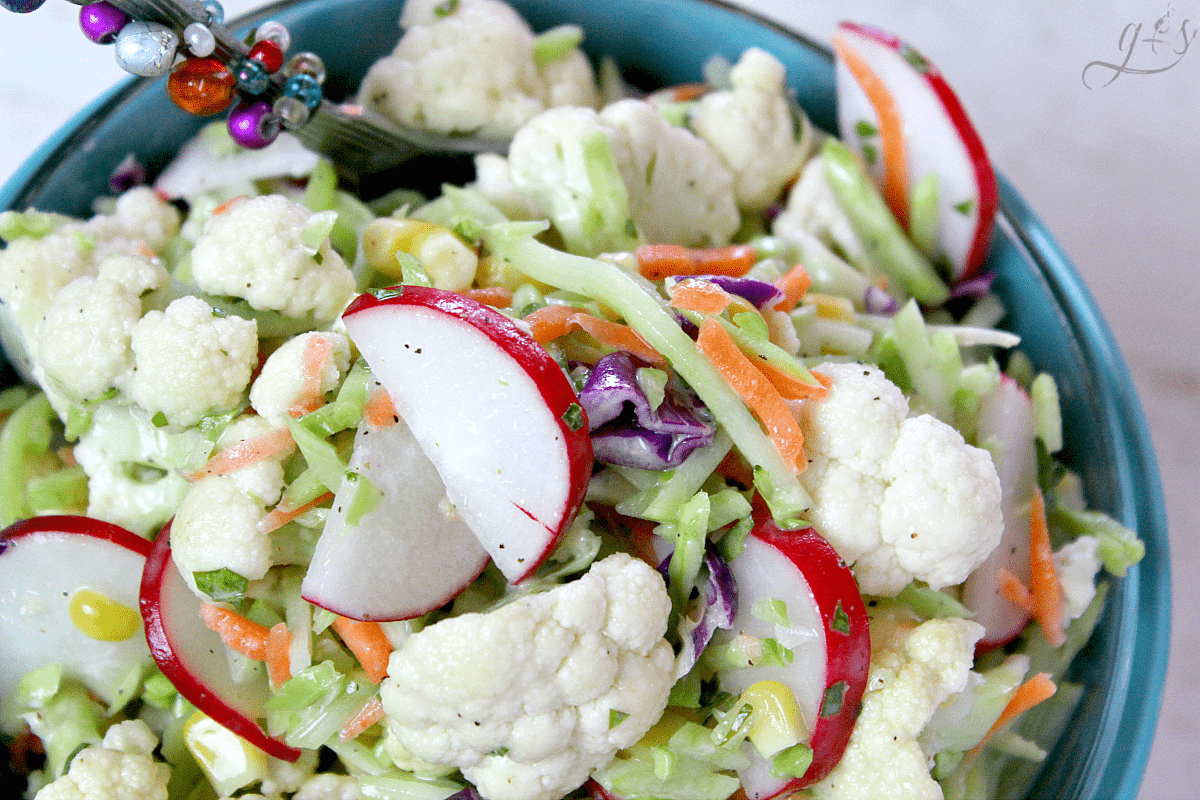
column 68, row 523
column 190, row 686
column 554, row 387
column 848, row 654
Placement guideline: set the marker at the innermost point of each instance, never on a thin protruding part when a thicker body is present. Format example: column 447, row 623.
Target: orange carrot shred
column 238, row 633
column 248, row 452
column 794, row 283
column 496, row 296
column 789, row 386
column 379, row 411
column 891, row 129
column 658, row 261
column 225, row 207
column 279, row 516
column 317, row 350
column 368, row 715
column 278, row 654
column 1014, row 591
column 683, row 92
column 369, row 644
column 703, row 297
column 1033, row 691
column 549, row 323
column 1044, row 583
column 756, row 391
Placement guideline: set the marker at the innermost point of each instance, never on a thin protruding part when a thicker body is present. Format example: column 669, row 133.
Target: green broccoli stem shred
column 617, row 289
column 887, row 244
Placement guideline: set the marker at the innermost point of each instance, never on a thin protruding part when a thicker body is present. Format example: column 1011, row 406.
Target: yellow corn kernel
column 449, row 263
column 831, row 306
column 101, row 617
column 775, row 722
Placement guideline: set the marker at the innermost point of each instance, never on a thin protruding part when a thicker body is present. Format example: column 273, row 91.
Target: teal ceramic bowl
column 1104, row 750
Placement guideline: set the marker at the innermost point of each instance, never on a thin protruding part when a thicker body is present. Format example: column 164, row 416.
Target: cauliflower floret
column 262, row 480
column 217, row 527
column 83, row 340
column 139, row 216
column 914, row 668
column 529, row 699
column 813, row 210
column 122, row 769
column 898, row 497
column 282, row 382
column 472, row 69
column 679, row 190
column 189, row 362
column 260, row 250
column 328, row 786
column 1078, row 562
column 754, row 129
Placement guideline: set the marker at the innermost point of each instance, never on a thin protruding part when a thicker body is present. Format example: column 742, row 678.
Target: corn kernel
column 101, row 617
column 775, row 723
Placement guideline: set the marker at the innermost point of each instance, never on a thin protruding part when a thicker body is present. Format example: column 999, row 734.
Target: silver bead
column 306, row 63
column 199, row 39
column 146, row 48
column 276, row 32
column 292, row 112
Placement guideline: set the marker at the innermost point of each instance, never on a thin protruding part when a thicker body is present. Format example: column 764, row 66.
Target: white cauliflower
column 328, row 786
column 898, row 497
column 1078, row 562
column 669, row 186
column 217, row 527
column 914, row 669
column 469, row 66
column 282, row 383
column 529, row 699
column 754, row 129
column 121, row 769
column 139, row 217
column 276, row 254
column 263, row 479
column 83, row 340
column 679, row 189
column 813, row 210
column 188, row 362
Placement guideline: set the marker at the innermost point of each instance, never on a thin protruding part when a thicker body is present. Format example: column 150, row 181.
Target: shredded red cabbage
column 627, row 431
column 759, row 294
column 877, row 301
column 718, row 605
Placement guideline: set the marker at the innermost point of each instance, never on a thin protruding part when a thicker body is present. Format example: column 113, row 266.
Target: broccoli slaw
column 193, row 367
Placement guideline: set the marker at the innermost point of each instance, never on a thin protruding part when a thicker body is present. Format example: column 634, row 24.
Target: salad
column 677, row 455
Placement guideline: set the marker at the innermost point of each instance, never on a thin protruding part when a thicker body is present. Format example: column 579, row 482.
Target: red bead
column 267, row 53
column 202, row 86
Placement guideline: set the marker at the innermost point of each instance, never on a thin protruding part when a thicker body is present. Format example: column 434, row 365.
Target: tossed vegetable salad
column 678, row 455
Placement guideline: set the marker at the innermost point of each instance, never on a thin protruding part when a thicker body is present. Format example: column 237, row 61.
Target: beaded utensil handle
column 264, row 89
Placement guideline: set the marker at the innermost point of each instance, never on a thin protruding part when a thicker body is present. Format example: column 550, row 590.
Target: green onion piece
column 555, row 43
column 223, row 585
column 792, row 762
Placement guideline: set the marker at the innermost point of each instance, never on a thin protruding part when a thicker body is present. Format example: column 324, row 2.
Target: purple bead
column 252, row 125
column 101, row 22
column 22, row 6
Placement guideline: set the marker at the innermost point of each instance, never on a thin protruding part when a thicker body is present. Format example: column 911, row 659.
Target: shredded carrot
column 278, row 655
column 683, row 92
column 658, row 261
column 703, row 297
column 1033, row 691
column 1044, row 584
column 225, row 207
column 549, row 323
column 248, row 452
column 279, row 516
column 756, row 391
column 1014, row 591
column 789, row 386
column 891, row 129
column 369, row 644
column 238, row 633
column 379, row 411
column 794, row 283
column 368, row 715
column 145, row 251
column 496, row 296
column 317, row 350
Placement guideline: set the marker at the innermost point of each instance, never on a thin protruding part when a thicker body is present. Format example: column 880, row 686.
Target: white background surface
column 1112, row 170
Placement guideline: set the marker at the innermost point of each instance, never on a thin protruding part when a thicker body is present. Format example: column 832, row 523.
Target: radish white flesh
column 408, row 555
column 194, row 658
column 939, row 139
column 827, row 632
column 47, row 566
column 490, row 408
column 1007, row 429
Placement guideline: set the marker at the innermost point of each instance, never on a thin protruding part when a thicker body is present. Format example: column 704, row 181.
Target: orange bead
column 202, row 86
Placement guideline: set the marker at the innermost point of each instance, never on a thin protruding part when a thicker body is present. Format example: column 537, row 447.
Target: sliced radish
column 938, row 139
column 1008, row 430
column 68, row 595
column 408, row 555
column 194, row 658
column 490, row 408
column 827, row 631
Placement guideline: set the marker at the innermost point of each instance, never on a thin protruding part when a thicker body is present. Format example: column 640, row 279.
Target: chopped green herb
column 835, row 696
column 864, row 128
column 792, row 762
column 615, row 718
column 573, row 416
column 965, row 207
column 386, row 293
column 445, row 9
column 159, row 420
column 223, row 585
column 841, row 620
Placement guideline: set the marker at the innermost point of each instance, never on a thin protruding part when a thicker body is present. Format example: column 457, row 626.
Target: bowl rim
column 1140, row 677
